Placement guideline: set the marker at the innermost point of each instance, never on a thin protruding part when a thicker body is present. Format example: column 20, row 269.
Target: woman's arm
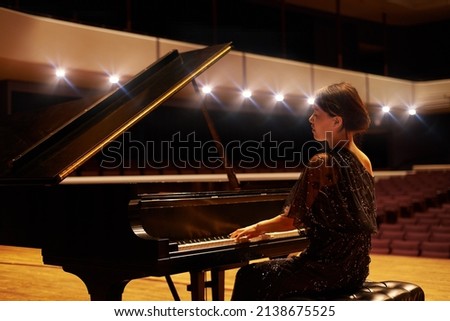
column 276, row 224
column 318, row 173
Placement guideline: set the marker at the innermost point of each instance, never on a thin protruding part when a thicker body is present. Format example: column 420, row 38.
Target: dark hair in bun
column 343, row 100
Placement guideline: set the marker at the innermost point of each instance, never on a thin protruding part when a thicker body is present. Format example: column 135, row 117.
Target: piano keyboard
column 225, row 240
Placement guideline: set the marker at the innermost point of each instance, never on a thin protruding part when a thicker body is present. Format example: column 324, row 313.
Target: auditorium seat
column 439, row 237
column 435, row 210
column 429, row 221
column 403, row 247
column 391, row 227
column 407, row 220
column 443, row 216
column 392, row 235
column 417, row 236
column 420, row 215
column 416, row 227
column 440, row 229
column 405, row 204
column 419, row 203
column 381, row 215
column 391, row 213
column 435, row 249
column 381, row 246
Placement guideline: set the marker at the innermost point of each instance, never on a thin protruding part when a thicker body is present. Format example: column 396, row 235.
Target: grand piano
column 111, row 231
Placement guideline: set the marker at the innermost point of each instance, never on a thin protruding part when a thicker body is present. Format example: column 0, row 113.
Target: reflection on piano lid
column 58, row 154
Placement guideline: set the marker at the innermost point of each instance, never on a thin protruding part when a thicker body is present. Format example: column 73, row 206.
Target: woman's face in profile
column 321, row 123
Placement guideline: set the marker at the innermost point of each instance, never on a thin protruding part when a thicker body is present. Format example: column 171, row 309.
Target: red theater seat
column 381, row 246
column 417, row 236
column 440, row 237
column 392, row 235
column 435, row 249
column 403, row 247
column 416, row 228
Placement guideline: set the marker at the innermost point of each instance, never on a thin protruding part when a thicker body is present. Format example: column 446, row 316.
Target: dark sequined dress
column 335, row 201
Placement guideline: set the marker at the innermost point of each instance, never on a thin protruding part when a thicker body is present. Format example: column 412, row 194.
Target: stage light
column 311, row 100
column 412, row 111
column 206, row 89
column 113, row 79
column 386, row 109
column 246, row 93
column 60, row 73
column 279, row 97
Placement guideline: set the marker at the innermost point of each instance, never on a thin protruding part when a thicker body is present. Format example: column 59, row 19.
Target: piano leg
column 172, row 288
column 103, row 284
column 198, row 285
column 218, row 284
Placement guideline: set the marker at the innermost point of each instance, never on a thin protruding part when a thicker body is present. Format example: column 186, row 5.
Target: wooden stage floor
column 24, row 278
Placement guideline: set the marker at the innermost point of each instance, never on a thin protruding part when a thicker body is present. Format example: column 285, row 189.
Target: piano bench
column 373, row 291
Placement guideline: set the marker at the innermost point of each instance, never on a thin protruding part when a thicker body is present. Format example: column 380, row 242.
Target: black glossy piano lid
column 55, row 155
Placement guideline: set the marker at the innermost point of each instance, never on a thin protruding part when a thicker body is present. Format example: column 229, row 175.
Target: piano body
column 109, row 232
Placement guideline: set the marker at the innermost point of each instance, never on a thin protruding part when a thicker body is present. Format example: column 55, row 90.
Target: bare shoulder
column 364, row 160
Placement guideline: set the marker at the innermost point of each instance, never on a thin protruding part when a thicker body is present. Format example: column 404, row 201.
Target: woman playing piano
column 334, row 201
